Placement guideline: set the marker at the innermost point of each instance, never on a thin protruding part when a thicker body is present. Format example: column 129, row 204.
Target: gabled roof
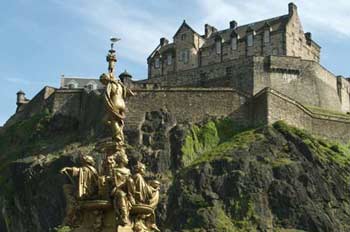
column 276, row 24
column 161, row 50
column 184, row 24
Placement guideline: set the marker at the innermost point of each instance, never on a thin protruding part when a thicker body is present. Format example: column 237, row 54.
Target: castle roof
column 184, row 24
column 80, row 82
column 276, row 24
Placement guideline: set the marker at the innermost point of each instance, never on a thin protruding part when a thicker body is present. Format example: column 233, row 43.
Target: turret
column 126, row 77
column 21, row 99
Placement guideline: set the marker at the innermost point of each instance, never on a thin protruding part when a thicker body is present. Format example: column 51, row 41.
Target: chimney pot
column 163, row 41
column 233, row 24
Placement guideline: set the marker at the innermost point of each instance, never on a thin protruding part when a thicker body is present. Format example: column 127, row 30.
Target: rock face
column 215, row 176
column 269, row 179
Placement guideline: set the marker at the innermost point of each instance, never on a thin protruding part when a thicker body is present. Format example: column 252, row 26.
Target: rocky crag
column 215, row 175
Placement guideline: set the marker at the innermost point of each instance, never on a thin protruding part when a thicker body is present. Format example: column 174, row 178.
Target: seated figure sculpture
column 122, row 189
column 146, row 198
column 87, row 177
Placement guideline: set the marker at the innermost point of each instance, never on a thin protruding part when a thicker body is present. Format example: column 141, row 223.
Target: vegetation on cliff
column 216, row 175
column 276, row 178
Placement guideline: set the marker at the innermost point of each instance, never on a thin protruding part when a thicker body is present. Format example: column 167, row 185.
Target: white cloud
column 320, row 16
column 139, row 29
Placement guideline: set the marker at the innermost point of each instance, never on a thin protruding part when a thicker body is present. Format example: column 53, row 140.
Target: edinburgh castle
column 257, row 73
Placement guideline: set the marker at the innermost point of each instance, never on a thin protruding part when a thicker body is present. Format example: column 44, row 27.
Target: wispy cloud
column 321, row 16
column 138, row 27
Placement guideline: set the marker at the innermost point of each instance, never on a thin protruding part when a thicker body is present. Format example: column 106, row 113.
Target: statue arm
column 73, row 170
column 129, row 92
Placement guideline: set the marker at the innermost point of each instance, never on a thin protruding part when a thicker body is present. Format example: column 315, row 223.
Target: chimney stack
column 308, row 37
column 233, row 24
column 163, row 41
column 292, row 9
column 209, row 30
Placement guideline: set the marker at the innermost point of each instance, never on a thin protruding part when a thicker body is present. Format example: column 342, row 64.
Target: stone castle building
column 256, row 73
column 279, row 36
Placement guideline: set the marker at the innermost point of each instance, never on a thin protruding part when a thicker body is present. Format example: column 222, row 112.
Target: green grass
column 204, row 139
column 326, row 150
column 240, row 141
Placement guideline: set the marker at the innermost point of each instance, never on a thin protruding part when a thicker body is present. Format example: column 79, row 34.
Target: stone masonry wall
column 281, row 107
column 37, row 104
column 184, row 105
column 305, row 81
column 296, row 42
column 192, row 105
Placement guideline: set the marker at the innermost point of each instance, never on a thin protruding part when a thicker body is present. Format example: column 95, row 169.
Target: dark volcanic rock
column 279, row 180
column 213, row 179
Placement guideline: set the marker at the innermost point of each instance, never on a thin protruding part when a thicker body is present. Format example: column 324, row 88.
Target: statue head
column 86, row 159
column 111, row 160
column 105, row 78
column 140, row 168
column 121, row 157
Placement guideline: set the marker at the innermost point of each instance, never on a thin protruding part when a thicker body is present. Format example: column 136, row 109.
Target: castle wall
column 67, row 102
column 192, row 105
column 237, row 74
column 37, row 104
column 305, row 81
column 296, row 42
column 344, row 93
column 185, row 105
column 281, row 107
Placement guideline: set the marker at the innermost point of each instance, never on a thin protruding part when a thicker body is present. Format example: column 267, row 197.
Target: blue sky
column 42, row 39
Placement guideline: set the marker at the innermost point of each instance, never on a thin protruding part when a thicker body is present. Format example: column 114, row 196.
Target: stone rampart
column 303, row 80
column 327, row 124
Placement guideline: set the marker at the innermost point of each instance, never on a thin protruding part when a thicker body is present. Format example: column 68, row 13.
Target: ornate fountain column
column 116, row 199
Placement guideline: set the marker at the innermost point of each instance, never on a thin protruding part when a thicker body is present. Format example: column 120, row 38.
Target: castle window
column 250, row 40
column 157, row 63
column 218, row 47
column 184, row 56
column 234, row 43
column 169, row 59
column 267, row 36
column 91, row 85
column 72, row 85
column 183, row 36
